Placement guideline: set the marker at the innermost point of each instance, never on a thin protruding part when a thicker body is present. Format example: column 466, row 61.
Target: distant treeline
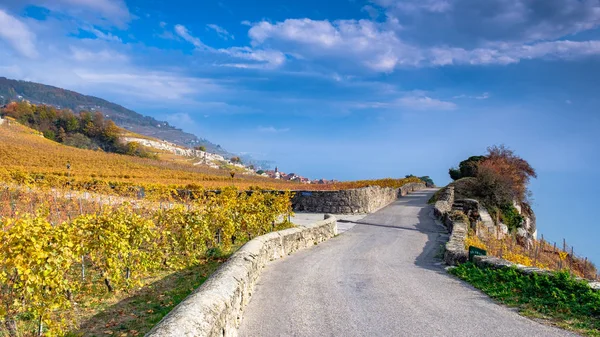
column 83, row 130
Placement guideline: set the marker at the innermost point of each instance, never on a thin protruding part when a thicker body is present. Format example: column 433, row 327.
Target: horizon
column 347, row 89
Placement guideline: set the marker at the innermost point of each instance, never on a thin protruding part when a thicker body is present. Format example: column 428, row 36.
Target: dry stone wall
column 215, row 308
column 361, row 200
column 455, row 247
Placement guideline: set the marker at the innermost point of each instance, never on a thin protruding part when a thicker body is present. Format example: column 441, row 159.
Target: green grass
column 557, row 299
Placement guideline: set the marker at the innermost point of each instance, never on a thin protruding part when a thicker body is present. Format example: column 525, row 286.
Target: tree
column 237, row 160
column 110, row 132
column 428, row 181
column 62, row 135
column 466, row 168
column 515, row 169
column 201, row 148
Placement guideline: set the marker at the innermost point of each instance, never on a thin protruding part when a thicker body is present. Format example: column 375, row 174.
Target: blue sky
column 345, row 89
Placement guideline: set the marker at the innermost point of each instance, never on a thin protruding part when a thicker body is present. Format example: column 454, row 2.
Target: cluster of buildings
column 276, row 174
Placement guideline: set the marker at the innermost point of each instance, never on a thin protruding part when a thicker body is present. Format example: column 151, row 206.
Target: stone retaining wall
column 361, row 200
column 455, row 247
column 215, row 308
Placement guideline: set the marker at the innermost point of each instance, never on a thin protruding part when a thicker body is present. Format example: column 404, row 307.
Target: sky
column 345, row 89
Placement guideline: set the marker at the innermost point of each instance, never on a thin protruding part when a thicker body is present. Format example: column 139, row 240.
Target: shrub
column 466, row 168
column 511, row 217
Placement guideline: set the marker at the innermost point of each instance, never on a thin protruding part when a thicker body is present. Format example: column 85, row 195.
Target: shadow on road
column 437, row 236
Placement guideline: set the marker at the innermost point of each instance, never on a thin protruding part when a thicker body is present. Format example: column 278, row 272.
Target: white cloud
column 186, row 35
column 262, row 58
column 462, row 22
column 416, row 100
column 361, row 42
column 113, row 11
column 269, row 58
column 18, row 35
column 102, row 35
column 423, row 102
column 434, row 6
column 84, row 55
column 375, row 47
column 484, row 95
column 154, row 85
column 271, row 129
column 222, row 32
column 372, row 11
column 513, row 53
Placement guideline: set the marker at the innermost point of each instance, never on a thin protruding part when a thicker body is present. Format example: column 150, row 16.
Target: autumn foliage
column 46, row 268
column 497, row 179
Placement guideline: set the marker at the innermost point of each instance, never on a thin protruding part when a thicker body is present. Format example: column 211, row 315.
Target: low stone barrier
column 215, row 308
column 360, row 200
column 443, row 205
column 455, row 252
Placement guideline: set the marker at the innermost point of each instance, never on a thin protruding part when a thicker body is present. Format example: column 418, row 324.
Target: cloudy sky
column 345, row 89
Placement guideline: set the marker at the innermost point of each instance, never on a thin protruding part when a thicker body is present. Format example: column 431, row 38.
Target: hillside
column 13, row 90
column 27, row 157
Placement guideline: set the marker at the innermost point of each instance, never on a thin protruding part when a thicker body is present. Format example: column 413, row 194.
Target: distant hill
column 14, row 90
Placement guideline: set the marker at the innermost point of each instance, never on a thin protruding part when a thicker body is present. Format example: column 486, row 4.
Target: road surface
column 380, row 278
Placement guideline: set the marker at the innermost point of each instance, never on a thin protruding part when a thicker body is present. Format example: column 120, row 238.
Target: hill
column 14, row 90
column 28, row 158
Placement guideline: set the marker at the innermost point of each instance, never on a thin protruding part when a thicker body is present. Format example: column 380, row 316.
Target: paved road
column 380, row 278
column 347, row 221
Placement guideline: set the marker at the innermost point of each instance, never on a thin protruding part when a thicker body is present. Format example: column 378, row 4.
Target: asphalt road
column 380, row 278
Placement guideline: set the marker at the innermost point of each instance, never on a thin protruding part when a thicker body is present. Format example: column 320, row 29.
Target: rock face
column 360, row 200
column 215, row 309
column 175, row 149
column 470, row 207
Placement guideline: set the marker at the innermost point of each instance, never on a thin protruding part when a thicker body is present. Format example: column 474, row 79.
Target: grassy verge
column 558, row 299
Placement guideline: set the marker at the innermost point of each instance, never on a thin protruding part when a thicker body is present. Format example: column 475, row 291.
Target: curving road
column 380, row 278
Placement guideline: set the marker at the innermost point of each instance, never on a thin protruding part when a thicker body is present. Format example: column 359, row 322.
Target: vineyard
column 541, row 253
column 86, row 234
column 49, row 268
column 28, row 159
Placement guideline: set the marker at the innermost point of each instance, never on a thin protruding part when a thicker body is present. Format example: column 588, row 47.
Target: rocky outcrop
column 175, row 149
column 361, row 200
column 446, row 209
column 215, row 309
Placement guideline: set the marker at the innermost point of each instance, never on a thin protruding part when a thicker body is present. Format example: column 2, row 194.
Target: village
column 276, row 174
